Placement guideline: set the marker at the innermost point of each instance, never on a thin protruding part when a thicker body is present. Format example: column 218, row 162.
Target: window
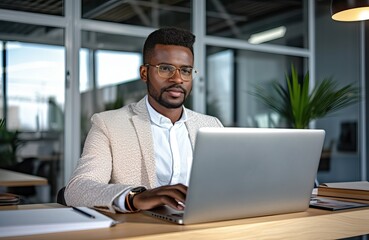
column 231, row 77
column 141, row 13
column 35, row 86
column 109, row 75
column 52, row 7
column 257, row 22
column 117, row 67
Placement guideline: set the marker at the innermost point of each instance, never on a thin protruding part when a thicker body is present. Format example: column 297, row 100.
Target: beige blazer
column 119, row 154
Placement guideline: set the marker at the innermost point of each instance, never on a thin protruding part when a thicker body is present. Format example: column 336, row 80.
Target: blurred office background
column 63, row 60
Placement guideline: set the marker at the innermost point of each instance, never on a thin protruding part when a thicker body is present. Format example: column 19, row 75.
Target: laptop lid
column 249, row 172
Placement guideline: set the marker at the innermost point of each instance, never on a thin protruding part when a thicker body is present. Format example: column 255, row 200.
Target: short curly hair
column 167, row 36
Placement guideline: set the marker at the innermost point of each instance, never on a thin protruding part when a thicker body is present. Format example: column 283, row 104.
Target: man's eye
column 186, row 71
column 166, row 68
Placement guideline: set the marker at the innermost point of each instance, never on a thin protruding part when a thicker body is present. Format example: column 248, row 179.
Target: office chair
column 27, row 166
column 60, row 197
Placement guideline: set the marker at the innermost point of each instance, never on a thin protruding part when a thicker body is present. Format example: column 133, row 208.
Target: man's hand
column 171, row 195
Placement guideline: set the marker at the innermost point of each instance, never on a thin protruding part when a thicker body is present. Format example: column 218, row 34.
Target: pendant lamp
column 350, row 10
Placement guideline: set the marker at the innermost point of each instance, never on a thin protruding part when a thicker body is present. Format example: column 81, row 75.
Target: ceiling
column 223, row 16
column 226, row 18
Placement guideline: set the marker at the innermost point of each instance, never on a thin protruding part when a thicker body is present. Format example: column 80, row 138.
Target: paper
column 9, row 199
column 360, row 185
column 48, row 220
column 352, row 190
column 333, row 205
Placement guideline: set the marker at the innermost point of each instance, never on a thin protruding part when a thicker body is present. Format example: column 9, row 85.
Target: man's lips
column 175, row 92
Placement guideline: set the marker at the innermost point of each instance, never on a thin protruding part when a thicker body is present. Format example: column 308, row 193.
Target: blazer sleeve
column 90, row 183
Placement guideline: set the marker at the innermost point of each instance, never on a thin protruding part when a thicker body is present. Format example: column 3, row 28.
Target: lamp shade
column 350, row 10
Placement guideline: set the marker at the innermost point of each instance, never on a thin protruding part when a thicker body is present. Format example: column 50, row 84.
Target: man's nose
column 177, row 76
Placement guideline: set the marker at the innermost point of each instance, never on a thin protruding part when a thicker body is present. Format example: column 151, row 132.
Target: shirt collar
column 160, row 119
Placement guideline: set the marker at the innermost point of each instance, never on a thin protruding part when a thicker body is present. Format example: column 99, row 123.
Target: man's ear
column 143, row 73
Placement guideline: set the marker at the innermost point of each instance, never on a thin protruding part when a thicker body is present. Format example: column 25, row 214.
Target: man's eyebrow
column 174, row 65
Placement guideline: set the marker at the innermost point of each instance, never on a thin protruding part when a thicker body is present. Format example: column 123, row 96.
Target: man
column 139, row 157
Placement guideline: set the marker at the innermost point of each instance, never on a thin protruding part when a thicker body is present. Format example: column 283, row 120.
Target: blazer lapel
column 191, row 128
column 141, row 123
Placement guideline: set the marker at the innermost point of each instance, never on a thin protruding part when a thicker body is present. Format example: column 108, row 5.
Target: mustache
column 174, row 86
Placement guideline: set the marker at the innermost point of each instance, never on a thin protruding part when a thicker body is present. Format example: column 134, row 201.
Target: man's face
column 167, row 92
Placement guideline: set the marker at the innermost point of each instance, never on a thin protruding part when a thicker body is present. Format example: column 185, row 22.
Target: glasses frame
column 193, row 73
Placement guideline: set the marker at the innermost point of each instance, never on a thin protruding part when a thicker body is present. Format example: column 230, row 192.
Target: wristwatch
column 129, row 198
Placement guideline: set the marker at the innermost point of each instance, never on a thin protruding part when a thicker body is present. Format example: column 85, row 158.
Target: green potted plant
column 9, row 144
column 299, row 106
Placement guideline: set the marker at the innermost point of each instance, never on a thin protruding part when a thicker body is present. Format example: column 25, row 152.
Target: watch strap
column 129, row 203
column 129, row 198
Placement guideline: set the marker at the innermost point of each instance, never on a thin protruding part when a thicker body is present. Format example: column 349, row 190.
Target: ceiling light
column 350, row 10
column 268, row 35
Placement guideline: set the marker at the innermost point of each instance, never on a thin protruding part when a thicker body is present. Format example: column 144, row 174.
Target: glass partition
column 1, row 79
column 51, row 7
column 142, row 13
column 338, row 56
column 33, row 105
column 273, row 22
column 109, row 76
column 35, row 101
column 231, row 77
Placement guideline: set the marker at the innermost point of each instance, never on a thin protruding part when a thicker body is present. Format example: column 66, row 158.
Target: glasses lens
column 186, row 73
column 166, row 71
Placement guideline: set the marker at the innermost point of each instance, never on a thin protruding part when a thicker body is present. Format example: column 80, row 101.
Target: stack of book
column 347, row 195
column 352, row 190
column 9, row 199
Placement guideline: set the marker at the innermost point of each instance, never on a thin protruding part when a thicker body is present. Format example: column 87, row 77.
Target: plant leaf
column 298, row 107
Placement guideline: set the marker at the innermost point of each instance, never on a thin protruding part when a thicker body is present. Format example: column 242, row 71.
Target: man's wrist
column 129, row 198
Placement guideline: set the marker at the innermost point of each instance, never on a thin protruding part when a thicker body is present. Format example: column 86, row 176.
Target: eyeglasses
column 168, row 71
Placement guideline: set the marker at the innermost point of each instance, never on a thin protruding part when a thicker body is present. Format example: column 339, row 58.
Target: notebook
column 248, row 172
column 49, row 220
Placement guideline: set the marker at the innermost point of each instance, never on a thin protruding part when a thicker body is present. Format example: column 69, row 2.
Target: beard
column 158, row 96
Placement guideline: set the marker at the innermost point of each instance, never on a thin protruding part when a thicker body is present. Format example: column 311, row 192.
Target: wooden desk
column 312, row 224
column 15, row 179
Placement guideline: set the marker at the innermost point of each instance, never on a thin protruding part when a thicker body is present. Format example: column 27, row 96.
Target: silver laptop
column 248, row 172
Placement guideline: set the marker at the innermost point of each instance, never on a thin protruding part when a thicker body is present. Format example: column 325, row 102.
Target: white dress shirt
column 172, row 146
column 173, row 151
